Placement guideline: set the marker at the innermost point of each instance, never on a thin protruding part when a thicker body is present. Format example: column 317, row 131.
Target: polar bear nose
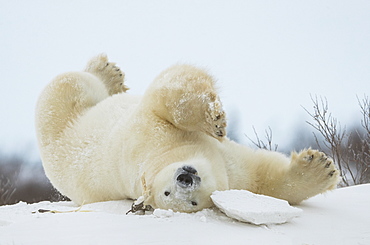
column 187, row 177
column 185, row 180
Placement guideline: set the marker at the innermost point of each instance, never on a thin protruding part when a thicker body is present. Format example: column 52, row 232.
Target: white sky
column 268, row 56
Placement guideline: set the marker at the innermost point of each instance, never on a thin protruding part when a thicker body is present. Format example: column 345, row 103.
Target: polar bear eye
column 166, row 193
column 194, row 203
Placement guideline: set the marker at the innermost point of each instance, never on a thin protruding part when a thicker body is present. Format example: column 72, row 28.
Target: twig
column 260, row 143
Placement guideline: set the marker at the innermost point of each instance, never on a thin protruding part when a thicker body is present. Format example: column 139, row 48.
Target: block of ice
column 248, row 207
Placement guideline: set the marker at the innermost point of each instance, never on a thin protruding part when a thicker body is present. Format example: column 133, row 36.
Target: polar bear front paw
column 108, row 72
column 216, row 118
column 315, row 171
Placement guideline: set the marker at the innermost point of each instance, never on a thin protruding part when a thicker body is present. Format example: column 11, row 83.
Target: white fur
column 99, row 143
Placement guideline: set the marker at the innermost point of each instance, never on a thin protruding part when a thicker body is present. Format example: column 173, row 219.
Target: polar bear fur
column 99, row 143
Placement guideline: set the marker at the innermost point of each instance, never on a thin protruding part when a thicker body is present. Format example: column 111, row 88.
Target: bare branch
column 351, row 157
column 7, row 190
column 260, row 143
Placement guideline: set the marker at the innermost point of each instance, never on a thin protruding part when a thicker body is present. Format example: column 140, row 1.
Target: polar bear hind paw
column 316, row 169
column 108, row 72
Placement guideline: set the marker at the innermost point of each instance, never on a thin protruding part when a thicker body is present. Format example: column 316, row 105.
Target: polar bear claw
column 216, row 117
column 313, row 169
column 316, row 162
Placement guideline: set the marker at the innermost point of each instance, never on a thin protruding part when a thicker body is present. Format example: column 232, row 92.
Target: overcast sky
column 268, row 56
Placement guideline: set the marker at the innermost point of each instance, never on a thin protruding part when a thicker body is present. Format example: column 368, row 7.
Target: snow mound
column 338, row 217
column 160, row 213
column 248, row 207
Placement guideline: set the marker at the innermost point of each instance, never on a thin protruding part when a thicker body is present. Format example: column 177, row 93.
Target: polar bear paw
column 315, row 170
column 216, row 119
column 108, row 72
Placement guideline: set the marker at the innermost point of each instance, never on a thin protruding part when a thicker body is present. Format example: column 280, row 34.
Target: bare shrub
column 21, row 180
column 7, row 190
column 9, row 172
column 267, row 145
column 349, row 150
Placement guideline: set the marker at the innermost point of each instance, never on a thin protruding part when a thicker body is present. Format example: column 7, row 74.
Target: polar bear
column 169, row 146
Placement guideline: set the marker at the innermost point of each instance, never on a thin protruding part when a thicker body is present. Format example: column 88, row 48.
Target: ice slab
column 248, row 207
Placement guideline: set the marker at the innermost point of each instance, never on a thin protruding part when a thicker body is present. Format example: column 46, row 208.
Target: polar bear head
column 184, row 186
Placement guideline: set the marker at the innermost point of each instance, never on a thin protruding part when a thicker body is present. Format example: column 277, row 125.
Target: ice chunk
column 248, row 207
column 161, row 213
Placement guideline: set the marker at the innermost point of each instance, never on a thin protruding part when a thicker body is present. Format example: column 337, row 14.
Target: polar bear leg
column 186, row 96
column 310, row 173
column 69, row 95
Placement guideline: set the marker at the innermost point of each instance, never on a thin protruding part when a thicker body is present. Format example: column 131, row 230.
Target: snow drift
column 339, row 217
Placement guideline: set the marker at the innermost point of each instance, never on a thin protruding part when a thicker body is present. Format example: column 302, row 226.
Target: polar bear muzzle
column 187, row 178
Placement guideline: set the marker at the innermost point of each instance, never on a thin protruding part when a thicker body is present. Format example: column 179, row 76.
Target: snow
column 160, row 213
column 253, row 208
column 338, row 217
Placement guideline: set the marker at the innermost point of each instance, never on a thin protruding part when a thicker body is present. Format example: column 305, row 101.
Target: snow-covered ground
column 338, row 217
